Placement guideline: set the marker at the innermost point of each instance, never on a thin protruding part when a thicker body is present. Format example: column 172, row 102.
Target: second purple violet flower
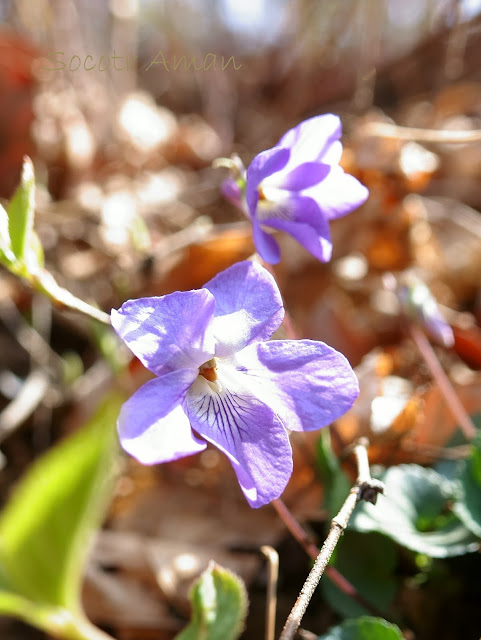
column 297, row 187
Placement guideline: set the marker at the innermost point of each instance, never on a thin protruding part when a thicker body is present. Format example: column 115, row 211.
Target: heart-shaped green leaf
column 219, row 606
column 364, row 628
column 416, row 512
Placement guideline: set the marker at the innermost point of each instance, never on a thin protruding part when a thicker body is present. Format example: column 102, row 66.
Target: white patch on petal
column 128, row 323
column 275, row 204
column 224, row 404
column 221, row 325
column 333, row 154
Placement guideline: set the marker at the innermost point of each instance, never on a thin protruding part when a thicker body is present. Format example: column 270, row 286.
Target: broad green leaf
column 335, row 482
column 219, row 606
column 21, row 212
column 468, row 505
column 46, row 527
column 368, row 561
column 415, row 511
column 365, row 628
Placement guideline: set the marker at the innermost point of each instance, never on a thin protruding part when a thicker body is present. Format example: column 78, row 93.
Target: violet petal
column 263, row 165
column 308, row 384
column 267, row 246
column 152, row 425
column 248, row 307
column 312, row 139
column 301, row 217
column 248, row 431
column 320, row 246
column 339, row 194
column 301, row 177
column 167, row 332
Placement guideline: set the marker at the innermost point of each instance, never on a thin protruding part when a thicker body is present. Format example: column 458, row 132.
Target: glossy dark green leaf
column 364, row 628
column 46, row 527
column 219, row 606
column 416, row 511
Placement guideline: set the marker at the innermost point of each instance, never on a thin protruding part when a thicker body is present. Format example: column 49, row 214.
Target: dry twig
column 273, row 563
column 365, row 488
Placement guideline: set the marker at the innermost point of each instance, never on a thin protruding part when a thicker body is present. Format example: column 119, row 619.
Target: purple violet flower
column 220, row 380
column 298, row 187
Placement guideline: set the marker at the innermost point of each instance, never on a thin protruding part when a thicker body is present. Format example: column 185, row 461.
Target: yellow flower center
column 209, row 370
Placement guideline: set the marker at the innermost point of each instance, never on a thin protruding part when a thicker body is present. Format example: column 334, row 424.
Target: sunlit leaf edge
column 22, row 527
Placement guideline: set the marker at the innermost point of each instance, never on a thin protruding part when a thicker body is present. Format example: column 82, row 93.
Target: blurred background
column 123, row 105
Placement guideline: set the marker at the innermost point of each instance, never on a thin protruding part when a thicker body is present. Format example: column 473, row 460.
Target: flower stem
column 297, row 531
column 365, row 488
column 445, row 386
column 46, row 284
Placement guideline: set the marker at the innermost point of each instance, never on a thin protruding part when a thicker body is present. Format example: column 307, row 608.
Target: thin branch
column 445, row 386
column 365, row 488
column 312, row 550
column 386, row 130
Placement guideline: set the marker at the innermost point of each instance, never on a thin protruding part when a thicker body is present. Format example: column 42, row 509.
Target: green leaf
column 415, row 511
column 6, row 254
column 35, row 253
column 219, row 606
column 368, row 561
column 365, row 628
column 468, row 505
column 335, row 482
column 21, row 212
column 46, row 527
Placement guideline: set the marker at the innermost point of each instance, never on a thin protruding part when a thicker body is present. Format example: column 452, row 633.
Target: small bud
column 233, row 188
column 418, row 304
column 232, row 191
